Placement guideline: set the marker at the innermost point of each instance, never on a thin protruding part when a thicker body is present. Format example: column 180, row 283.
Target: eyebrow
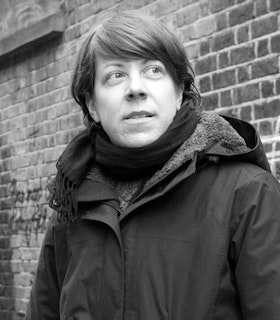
column 120, row 64
column 113, row 64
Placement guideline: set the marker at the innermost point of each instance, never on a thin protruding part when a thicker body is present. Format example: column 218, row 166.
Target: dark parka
column 201, row 243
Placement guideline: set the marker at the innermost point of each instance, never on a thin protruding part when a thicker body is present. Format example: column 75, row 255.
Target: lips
column 138, row 115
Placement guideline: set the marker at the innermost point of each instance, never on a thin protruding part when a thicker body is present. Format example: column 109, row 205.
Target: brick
column 146, row 2
column 222, row 21
column 265, row 67
column 246, row 113
column 151, row 9
column 3, row 189
column 61, row 80
column 72, row 4
column 6, row 315
column 58, row 96
column 219, row 5
column 72, row 33
column 264, row 26
column 5, row 204
column 205, row 27
column 267, row 109
column 4, row 219
column 29, row 266
column 225, row 98
column 23, row 279
column 210, row 101
column 243, row 74
column 84, row 11
column 277, row 86
column 16, row 266
column 192, row 51
column 187, row 2
column 230, row 112
column 241, row 14
column 4, row 243
column 29, row 253
column 224, row 79
column 243, row 34
column 265, row 128
column 267, row 88
column 6, row 303
column 223, row 40
column 6, row 278
column 58, row 110
column 205, row 84
column 167, row 6
column 242, row 54
column 205, row 65
column 188, row 15
column 21, row 292
column 246, row 93
column 6, row 164
column 274, row 5
column 170, row 21
column 5, row 291
column 103, row 5
column 6, row 254
column 5, row 178
column 261, row 7
column 5, row 152
column 275, row 43
column 223, row 60
column 267, row 147
column 71, row 121
column 204, row 47
column 60, row 138
column 262, row 47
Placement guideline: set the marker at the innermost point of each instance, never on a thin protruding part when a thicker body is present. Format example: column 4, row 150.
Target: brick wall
column 234, row 46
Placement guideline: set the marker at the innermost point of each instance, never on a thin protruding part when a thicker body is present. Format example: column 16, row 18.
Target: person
column 162, row 210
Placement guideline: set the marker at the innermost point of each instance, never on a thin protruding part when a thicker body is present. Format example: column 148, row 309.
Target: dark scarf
column 93, row 146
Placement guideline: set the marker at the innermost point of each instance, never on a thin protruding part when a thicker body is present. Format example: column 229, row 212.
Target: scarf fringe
column 94, row 146
column 65, row 198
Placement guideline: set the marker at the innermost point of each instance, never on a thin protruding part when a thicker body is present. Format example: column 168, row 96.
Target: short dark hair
column 132, row 35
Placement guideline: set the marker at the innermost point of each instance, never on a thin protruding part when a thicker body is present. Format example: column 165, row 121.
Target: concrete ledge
column 49, row 27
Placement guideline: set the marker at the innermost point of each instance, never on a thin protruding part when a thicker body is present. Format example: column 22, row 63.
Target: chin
column 135, row 139
column 137, row 143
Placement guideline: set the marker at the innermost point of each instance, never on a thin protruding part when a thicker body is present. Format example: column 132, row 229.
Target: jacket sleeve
column 256, row 249
column 44, row 299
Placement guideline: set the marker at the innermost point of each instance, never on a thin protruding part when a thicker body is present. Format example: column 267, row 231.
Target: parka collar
column 214, row 139
column 255, row 153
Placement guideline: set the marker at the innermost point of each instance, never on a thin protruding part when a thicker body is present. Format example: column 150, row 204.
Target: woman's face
column 134, row 100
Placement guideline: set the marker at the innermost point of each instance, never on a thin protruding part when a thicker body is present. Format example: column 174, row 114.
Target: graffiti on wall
column 29, row 212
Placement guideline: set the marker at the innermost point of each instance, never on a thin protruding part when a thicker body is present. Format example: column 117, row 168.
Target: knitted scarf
column 94, row 146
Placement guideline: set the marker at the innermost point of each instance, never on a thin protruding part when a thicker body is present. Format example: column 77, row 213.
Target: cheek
column 171, row 101
column 102, row 108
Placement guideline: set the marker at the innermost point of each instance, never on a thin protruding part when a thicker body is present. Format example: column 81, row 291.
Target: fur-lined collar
column 210, row 130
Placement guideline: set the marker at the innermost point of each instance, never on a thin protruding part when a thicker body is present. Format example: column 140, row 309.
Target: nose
column 136, row 89
column 135, row 95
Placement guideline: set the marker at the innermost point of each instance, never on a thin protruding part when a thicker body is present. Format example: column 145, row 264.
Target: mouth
column 138, row 115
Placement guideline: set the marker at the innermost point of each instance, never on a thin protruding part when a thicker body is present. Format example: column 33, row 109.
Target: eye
column 114, row 77
column 154, row 71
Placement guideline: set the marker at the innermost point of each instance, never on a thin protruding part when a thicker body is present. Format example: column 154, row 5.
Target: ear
column 180, row 91
column 92, row 109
